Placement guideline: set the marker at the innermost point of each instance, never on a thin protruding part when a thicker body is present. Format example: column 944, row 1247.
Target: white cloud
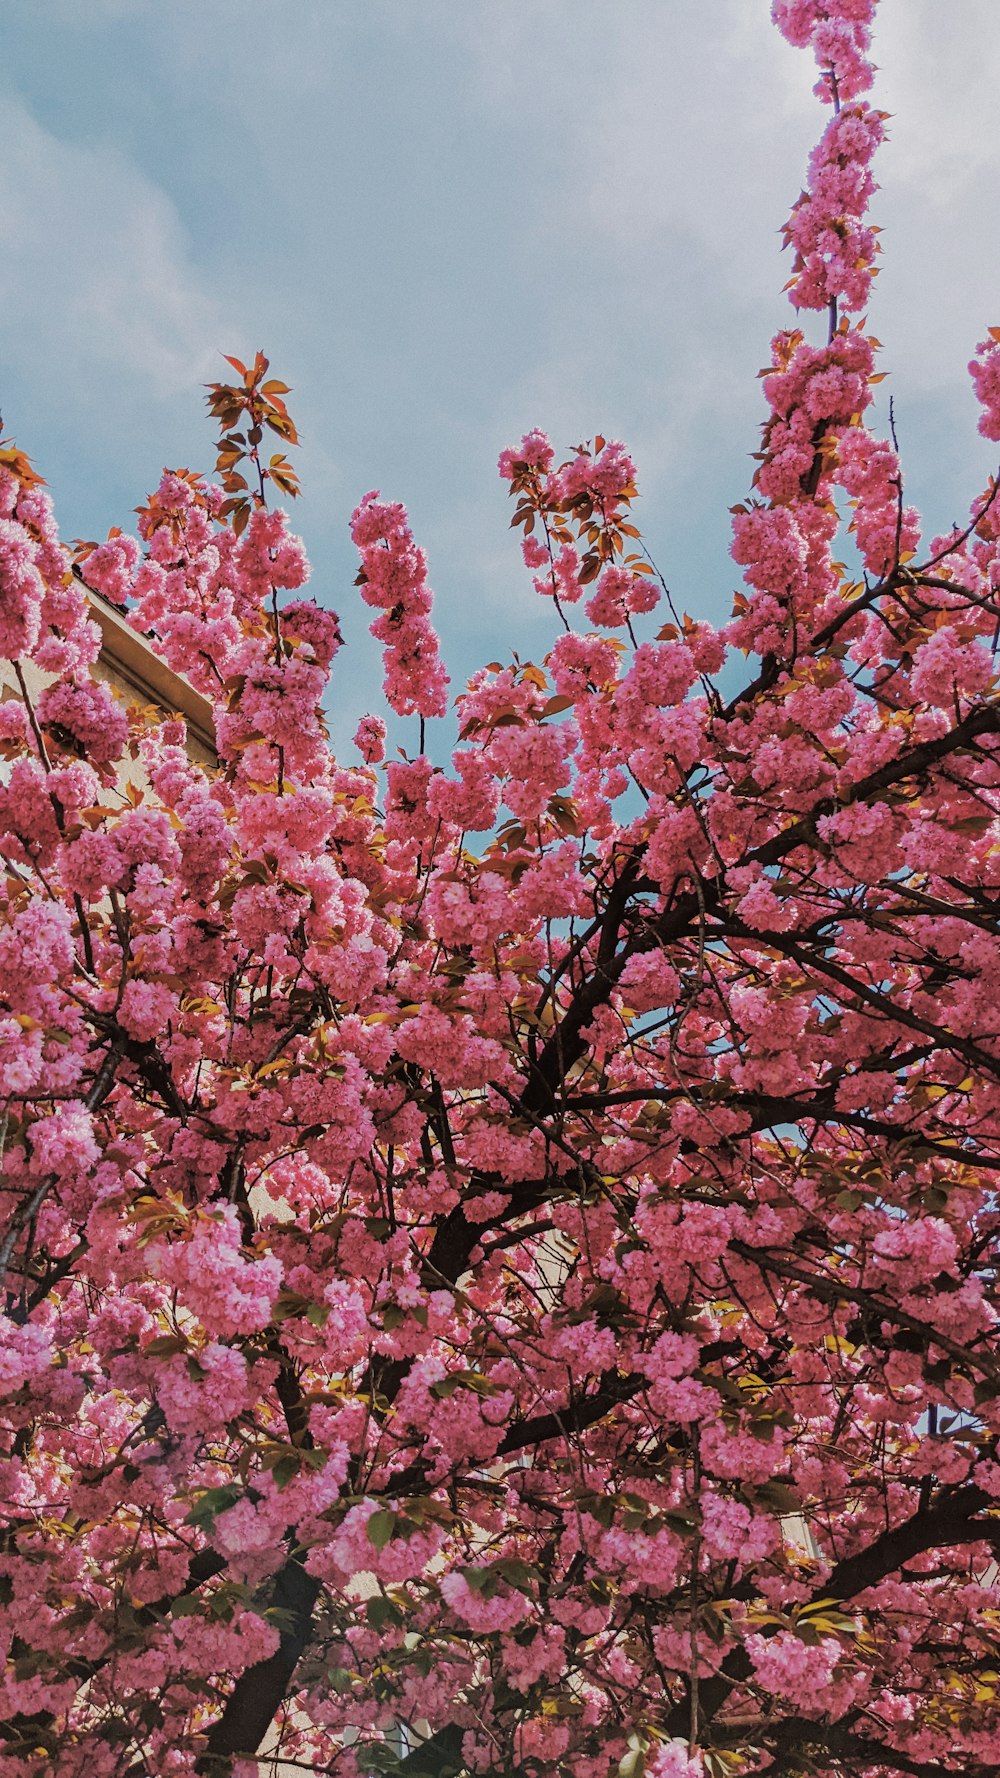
column 690, row 150
column 684, row 136
column 451, row 223
column 95, row 277
column 940, row 170
column 939, row 71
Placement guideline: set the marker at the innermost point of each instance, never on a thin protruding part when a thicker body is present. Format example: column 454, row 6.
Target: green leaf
column 633, row 1765
column 476, row 1579
column 186, row 1605
column 520, row 1574
column 286, row 1469
column 778, row 1497
column 381, row 1611
column 211, row 1503
column 165, row 1346
column 849, row 1201
column 380, row 1528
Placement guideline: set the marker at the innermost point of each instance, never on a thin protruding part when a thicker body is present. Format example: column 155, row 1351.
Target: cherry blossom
column 500, row 1229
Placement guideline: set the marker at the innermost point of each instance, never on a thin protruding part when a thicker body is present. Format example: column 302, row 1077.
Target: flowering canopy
column 507, row 1247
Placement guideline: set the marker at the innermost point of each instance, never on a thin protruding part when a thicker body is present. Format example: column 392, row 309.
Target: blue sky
column 447, row 223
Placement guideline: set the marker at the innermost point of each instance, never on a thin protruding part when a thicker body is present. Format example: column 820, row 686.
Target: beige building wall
column 136, row 675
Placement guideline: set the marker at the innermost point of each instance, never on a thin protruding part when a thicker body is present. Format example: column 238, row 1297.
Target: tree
column 558, row 1185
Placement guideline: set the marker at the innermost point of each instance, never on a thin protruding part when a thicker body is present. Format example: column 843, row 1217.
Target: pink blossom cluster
column 42, row 610
column 839, row 32
column 810, row 391
column 394, row 574
column 868, row 468
column 834, row 248
column 984, row 370
column 22, row 588
column 502, row 1610
column 816, row 397
column 605, row 475
column 795, row 1669
column 227, row 1292
column 86, row 710
column 535, row 451
column 673, row 1759
column 948, row 667
column 620, row 595
column 111, row 567
column 517, row 1230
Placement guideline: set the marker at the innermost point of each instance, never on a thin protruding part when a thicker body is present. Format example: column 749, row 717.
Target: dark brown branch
column 951, row 1519
column 259, row 1691
column 833, row 1289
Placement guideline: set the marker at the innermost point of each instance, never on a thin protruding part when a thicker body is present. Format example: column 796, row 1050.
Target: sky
column 449, row 221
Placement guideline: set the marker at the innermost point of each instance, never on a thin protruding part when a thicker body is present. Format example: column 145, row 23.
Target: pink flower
column 834, row 249
column 146, row 1008
column 228, row 1293
column 190, row 1394
column 21, row 591
column 621, row 594
column 369, row 739
column 917, row 1251
column 945, row 668
column 840, row 35
column 394, row 578
column 303, row 621
column 662, row 672
column 111, row 567
column 26, row 1352
column 672, row 1760
column 649, row 982
column 869, row 469
column 36, row 951
column 985, row 373
column 534, row 450
column 63, row 1142
column 501, row 1610
column 578, row 663
column 786, row 1666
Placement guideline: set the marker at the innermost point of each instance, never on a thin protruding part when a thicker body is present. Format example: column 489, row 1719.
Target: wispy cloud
column 95, row 277
column 448, row 224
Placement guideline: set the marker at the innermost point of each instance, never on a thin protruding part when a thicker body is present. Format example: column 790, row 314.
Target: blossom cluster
column 394, row 578
column 505, row 1240
column 839, row 33
column 834, row 247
